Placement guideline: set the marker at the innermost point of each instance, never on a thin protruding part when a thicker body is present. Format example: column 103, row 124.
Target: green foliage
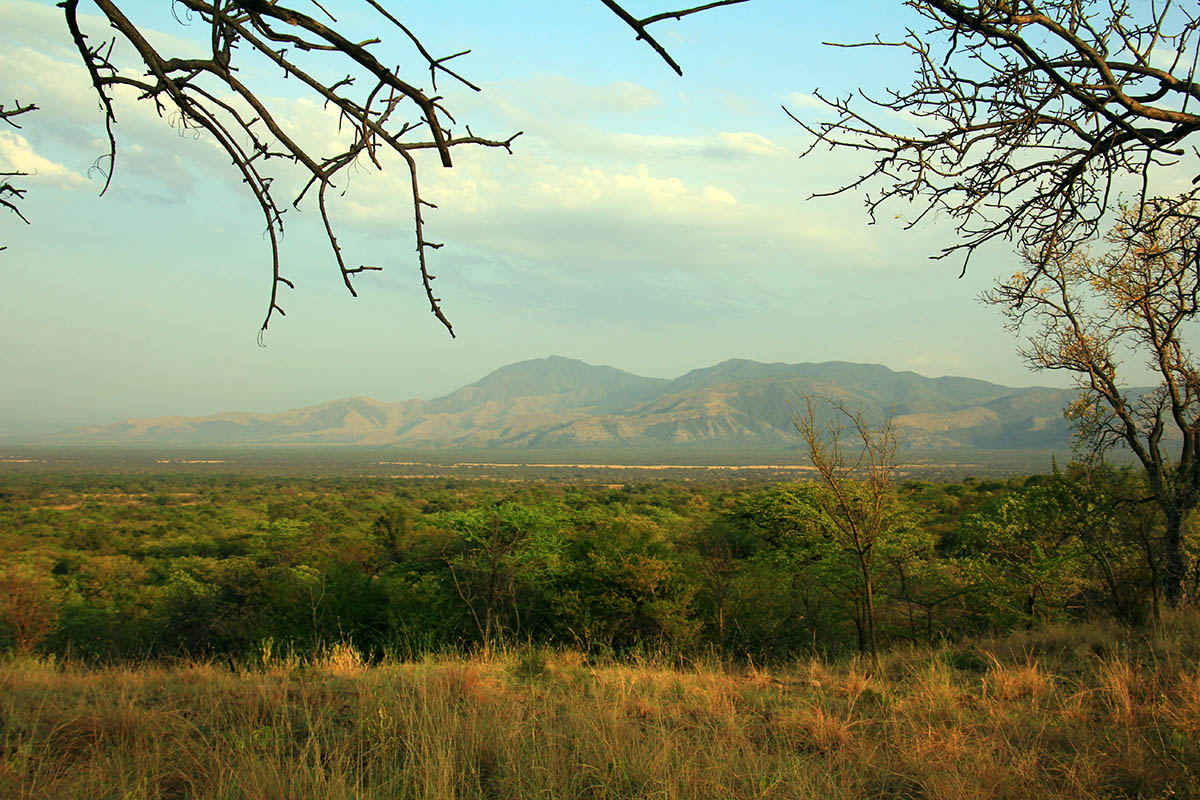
column 1029, row 541
column 1061, row 544
column 112, row 567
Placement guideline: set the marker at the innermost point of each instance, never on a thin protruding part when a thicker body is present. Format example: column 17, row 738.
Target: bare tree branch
column 208, row 94
column 1025, row 118
column 639, row 25
column 10, row 194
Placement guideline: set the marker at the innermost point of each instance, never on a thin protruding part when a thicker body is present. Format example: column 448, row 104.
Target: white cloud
column 806, row 100
column 747, row 143
column 572, row 117
column 43, row 26
column 542, row 96
column 715, row 195
column 487, row 183
column 560, row 217
column 1168, row 58
column 17, row 155
column 628, row 97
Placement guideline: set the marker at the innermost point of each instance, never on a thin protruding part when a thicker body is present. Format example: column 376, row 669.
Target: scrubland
column 1081, row 711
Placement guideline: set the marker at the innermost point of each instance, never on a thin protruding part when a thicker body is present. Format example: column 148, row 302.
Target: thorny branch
column 210, row 94
column 1025, row 119
column 10, row 194
column 640, row 25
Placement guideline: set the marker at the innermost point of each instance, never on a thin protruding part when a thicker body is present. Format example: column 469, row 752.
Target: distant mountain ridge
column 558, row 402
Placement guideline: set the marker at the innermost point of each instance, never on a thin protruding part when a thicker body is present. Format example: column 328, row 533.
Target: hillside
column 560, row 402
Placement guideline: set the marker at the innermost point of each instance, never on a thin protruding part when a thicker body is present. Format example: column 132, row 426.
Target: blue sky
column 647, row 221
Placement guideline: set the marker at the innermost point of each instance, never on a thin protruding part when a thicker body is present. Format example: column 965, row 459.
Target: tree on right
column 1042, row 123
column 1090, row 312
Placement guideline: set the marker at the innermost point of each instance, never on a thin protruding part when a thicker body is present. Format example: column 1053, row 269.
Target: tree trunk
column 1174, row 560
column 860, row 629
column 870, row 613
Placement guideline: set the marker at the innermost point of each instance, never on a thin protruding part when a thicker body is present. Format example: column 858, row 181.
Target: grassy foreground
column 1080, row 712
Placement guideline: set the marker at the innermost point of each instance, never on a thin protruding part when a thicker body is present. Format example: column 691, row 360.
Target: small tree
column 860, row 508
column 1138, row 297
column 796, row 571
column 1030, row 541
column 502, row 564
column 28, row 606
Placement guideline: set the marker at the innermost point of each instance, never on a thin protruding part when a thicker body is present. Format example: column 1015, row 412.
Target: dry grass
column 1063, row 713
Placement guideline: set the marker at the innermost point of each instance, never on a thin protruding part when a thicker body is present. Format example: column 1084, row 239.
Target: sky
column 648, row 221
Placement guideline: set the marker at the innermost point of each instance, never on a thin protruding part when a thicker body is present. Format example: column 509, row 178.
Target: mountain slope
column 559, row 402
column 564, row 383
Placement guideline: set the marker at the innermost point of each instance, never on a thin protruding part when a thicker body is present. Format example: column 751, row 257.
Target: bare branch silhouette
column 640, row 25
column 379, row 108
column 1026, row 119
column 10, row 195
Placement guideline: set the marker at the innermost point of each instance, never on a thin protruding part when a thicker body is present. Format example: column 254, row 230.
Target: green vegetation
column 109, row 567
column 193, row 635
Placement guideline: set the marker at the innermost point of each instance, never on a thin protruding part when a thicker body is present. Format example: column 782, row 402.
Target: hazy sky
column 647, row 221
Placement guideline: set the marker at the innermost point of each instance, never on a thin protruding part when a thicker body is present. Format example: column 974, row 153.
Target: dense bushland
column 102, row 567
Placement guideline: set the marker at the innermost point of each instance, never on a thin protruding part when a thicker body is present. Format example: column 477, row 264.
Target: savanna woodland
column 192, row 633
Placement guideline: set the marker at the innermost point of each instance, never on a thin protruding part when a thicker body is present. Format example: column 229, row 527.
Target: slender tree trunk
column 908, row 601
column 1174, row 560
column 860, row 629
column 1155, row 581
column 721, row 619
column 869, row 598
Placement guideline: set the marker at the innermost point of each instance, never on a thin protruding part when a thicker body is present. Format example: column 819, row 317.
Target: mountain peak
column 566, row 382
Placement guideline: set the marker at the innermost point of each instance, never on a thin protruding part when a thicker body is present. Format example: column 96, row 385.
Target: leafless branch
column 640, row 25
column 1025, row 118
column 10, row 194
column 8, row 114
column 208, row 94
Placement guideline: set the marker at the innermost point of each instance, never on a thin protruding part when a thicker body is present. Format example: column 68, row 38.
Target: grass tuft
column 1061, row 713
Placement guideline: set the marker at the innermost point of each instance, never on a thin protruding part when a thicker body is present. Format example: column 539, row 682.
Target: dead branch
column 9, row 193
column 1027, row 121
column 640, row 25
column 208, row 94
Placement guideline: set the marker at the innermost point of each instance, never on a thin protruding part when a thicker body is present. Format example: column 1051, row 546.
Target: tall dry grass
column 1082, row 712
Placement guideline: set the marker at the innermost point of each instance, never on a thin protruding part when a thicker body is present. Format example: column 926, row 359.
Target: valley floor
column 1077, row 712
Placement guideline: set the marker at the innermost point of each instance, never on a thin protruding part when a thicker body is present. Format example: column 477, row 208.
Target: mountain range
column 561, row 403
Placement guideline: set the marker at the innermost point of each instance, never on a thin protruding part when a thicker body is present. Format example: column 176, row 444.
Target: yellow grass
column 1063, row 713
